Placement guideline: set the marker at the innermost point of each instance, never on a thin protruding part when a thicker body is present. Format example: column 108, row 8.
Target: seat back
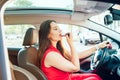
column 19, row 73
column 27, row 56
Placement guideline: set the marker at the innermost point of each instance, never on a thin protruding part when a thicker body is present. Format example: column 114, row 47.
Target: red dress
column 53, row 73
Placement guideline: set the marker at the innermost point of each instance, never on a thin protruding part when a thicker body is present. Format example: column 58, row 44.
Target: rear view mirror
column 108, row 19
column 115, row 14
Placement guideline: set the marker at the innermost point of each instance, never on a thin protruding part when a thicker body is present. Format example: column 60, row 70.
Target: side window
column 14, row 34
column 83, row 38
column 87, row 36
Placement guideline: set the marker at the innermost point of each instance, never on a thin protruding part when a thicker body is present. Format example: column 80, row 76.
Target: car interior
column 19, row 35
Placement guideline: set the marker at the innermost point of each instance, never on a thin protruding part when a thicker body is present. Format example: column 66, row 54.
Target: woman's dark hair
column 44, row 42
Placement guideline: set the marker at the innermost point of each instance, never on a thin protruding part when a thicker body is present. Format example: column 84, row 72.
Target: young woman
column 55, row 61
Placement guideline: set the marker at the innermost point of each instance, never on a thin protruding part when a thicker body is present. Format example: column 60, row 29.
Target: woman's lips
column 63, row 35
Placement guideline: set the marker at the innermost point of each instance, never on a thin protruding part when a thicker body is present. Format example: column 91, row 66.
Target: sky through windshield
column 56, row 4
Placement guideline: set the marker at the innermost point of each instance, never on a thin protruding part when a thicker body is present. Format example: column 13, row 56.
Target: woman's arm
column 56, row 60
column 74, row 55
column 91, row 50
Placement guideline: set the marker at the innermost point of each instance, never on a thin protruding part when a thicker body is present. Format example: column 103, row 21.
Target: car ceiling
column 82, row 11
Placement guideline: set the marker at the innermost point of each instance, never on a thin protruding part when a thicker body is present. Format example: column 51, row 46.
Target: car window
column 83, row 37
column 14, row 34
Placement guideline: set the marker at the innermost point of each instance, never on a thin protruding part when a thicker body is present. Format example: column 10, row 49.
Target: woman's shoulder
column 51, row 49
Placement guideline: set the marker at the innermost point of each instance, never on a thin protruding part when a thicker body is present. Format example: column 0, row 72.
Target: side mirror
column 108, row 19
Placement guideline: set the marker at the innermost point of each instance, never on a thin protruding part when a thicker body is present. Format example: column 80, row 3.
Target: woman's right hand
column 69, row 38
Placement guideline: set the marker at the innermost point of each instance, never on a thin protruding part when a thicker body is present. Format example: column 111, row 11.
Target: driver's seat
column 27, row 56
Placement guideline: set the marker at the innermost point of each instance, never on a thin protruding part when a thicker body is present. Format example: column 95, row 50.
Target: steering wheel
column 99, row 58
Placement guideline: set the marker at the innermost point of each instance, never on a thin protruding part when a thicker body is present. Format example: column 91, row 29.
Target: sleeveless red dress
column 53, row 73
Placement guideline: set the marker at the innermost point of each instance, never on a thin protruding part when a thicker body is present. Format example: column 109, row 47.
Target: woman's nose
column 60, row 30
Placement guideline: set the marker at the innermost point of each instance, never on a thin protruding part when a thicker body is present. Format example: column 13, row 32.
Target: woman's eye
column 56, row 28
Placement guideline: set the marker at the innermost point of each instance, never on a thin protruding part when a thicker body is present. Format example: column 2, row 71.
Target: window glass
column 14, row 34
column 100, row 20
column 83, row 38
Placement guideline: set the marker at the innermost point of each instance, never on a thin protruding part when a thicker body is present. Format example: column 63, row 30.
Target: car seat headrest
column 31, row 37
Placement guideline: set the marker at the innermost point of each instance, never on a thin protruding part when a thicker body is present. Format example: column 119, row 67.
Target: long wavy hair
column 44, row 42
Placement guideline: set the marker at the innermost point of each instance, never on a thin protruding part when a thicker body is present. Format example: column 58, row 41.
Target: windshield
column 48, row 4
column 99, row 19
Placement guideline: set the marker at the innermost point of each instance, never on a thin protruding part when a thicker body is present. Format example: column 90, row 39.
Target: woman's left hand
column 104, row 44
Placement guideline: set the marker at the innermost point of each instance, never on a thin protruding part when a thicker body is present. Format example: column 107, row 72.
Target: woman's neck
column 54, row 44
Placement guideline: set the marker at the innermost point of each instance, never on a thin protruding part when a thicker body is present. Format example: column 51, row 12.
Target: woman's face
column 55, row 32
